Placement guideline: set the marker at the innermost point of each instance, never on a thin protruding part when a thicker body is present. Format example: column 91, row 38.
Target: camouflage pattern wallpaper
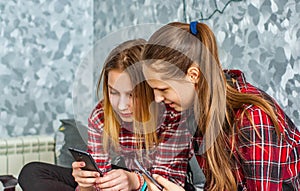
column 41, row 42
column 45, row 42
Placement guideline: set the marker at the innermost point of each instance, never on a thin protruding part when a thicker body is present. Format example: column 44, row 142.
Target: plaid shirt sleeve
column 95, row 145
column 269, row 162
column 95, row 134
column 173, row 150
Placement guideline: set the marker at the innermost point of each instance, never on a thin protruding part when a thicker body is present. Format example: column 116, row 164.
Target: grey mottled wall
column 262, row 38
column 43, row 42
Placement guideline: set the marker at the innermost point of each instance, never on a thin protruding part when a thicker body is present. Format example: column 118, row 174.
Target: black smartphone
column 86, row 157
column 144, row 171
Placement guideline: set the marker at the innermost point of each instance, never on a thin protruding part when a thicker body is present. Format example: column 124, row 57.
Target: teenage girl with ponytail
column 243, row 139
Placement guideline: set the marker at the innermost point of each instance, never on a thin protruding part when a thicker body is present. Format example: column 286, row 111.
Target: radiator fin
column 18, row 151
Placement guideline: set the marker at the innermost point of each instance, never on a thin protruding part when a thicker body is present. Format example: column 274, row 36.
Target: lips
column 174, row 106
column 125, row 114
column 168, row 102
column 171, row 104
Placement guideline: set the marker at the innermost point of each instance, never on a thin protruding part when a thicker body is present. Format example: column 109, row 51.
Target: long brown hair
column 174, row 45
column 126, row 57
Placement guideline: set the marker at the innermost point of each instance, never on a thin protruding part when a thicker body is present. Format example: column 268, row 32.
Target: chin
column 126, row 119
column 177, row 108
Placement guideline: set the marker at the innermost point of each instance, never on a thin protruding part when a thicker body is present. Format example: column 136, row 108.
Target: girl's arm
column 95, row 141
column 95, row 147
column 112, row 179
column 269, row 161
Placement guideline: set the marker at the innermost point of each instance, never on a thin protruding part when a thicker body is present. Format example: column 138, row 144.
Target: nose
column 158, row 96
column 124, row 102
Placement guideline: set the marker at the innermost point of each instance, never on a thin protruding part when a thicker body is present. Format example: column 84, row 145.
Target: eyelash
column 116, row 93
column 113, row 93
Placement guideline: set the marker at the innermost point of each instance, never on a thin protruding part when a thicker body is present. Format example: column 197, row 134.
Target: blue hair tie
column 193, row 27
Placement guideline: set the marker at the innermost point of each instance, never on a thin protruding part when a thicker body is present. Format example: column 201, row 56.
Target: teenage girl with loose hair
column 129, row 123
column 125, row 57
column 244, row 140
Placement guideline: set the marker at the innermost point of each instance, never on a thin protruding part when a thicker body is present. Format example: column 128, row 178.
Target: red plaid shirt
column 266, row 162
column 170, row 156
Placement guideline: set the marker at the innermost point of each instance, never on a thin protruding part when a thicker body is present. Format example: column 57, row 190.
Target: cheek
column 173, row 96
column 113, row 101
column 187, row 96
column 176, row 97
column 131, row 104
column 182, row 95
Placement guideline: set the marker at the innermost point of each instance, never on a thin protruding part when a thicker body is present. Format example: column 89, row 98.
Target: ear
column 193, row 74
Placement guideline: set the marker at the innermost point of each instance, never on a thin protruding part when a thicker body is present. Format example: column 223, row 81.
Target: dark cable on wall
column 211, row 15
column 184, row 11
column 217, row 10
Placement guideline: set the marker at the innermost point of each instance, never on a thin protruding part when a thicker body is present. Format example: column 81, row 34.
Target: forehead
column 151, row 74
column 159, row 80
column 119, row 80
column 156, row 83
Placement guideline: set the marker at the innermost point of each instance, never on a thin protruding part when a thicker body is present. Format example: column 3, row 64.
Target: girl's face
column 178, row 94
column 120, row 94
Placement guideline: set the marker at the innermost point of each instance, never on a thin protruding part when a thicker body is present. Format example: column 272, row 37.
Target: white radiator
column 18, row 151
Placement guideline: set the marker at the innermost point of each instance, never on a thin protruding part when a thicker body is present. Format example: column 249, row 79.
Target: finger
column 115, row 179
column 85, row 173
column 111, row 175
column 160, row 179
column 150, row 185
column 104, row 183
column 168, row 185
column 117, row 187
column 77, row 171
column 77, row 164
column 86, row 182
column 165, row 183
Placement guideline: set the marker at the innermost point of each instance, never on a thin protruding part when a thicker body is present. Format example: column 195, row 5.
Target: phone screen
column 144, row 171
column 86, row 157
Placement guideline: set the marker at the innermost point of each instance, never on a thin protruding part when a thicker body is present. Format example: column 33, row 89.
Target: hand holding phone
column 144, row 171
column 86, row 157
